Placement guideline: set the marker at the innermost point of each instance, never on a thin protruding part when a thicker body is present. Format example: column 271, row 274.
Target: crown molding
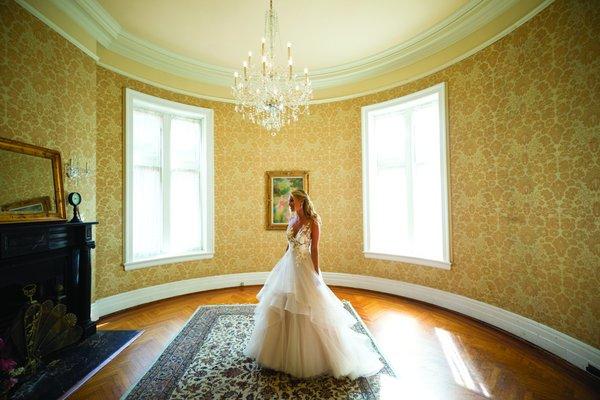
column 93, row 18
column 108, row 32
column 166, row 87
column 466, row 20
column 441, row 67
column 153, row 56
column 383, row 69
column 39, row 15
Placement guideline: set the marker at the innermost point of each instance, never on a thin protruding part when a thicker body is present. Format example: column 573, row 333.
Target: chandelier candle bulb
column 262, row 48
column 249, row 58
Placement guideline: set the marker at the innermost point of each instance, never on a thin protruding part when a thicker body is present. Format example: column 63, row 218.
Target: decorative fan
column 41, row 330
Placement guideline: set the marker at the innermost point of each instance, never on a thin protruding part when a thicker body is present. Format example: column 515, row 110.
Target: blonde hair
column 307, row 205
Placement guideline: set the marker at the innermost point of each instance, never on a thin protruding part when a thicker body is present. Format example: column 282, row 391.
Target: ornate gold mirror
column 31, row 187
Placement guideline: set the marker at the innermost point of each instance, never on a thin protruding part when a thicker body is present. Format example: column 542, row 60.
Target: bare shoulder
column 315, row 225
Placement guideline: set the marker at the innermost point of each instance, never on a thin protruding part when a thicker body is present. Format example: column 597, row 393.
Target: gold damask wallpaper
column 48, row 89
column 524, row 139
column 48, row 93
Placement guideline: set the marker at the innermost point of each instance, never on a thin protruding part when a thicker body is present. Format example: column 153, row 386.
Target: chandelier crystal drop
column 268, row 94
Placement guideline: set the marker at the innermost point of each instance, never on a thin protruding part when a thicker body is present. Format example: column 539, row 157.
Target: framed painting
column 280, row 185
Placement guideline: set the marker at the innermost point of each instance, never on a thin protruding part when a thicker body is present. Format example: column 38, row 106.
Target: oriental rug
column 206, row 361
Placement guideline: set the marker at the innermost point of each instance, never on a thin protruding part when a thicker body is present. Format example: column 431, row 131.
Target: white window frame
column 205, row 115
column 447, row 262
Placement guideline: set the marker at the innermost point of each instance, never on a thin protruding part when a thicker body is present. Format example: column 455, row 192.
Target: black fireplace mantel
column 56, row 257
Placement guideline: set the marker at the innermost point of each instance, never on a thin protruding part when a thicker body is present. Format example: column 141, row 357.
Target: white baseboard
column 122, row 301
column 570, row 349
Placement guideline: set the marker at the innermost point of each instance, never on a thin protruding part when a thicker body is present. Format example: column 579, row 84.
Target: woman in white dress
column 301, row 327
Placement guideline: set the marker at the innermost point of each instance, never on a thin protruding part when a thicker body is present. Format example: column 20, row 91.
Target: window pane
column 185, row 211
column 388, row 183
column 147, row 132
column 147, row 185
column 185, row 144
column 185, row 185
column 425, row 124
column 427, row 196
column 389, row 223
column 427, row 214
column 389, row 138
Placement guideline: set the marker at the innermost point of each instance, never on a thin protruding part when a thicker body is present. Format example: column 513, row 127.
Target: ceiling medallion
column 268, row 94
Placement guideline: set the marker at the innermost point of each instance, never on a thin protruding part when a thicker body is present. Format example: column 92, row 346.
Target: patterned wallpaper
column 524, row 134
column 47, row 94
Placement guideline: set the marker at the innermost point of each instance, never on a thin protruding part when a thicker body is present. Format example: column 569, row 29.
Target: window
column 168, row 181
column 405, row 179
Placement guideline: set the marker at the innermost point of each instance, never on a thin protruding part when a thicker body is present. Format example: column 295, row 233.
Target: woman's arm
column 290, row 223
column 314, row 247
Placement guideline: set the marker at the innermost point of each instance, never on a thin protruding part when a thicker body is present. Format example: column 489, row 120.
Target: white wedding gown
column 301, row 327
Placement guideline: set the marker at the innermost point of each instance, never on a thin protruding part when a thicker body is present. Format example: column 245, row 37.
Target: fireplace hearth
column 56, row 258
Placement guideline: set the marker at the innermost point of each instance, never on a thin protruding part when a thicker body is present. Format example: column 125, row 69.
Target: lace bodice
column 302, row 239
column 300, row 243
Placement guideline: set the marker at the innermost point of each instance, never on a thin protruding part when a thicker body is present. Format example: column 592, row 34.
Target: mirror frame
column 59, row 197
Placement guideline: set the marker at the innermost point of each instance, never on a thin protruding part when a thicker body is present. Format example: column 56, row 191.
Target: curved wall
column 524, row 137
column 523, row 127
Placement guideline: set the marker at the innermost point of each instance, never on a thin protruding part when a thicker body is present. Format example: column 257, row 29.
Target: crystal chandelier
column 268, row 94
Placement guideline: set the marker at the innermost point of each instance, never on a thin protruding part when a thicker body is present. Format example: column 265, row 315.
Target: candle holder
column 74, row 171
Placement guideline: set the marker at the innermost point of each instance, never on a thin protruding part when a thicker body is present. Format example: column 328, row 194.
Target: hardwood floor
column 437, row 354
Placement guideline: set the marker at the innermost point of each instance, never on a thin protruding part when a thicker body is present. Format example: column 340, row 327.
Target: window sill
column 409, row 260
column 152, row 262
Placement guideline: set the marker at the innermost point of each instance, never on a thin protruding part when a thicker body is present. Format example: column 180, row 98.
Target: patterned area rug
column 73, row 366
column 205, row 361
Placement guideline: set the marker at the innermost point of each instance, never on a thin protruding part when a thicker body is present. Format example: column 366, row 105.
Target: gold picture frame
column 279, row 185
column 45, row 214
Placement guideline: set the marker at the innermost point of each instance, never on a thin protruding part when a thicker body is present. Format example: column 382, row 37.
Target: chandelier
column 268, row 94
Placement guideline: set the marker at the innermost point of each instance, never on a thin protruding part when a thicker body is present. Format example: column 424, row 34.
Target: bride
column 301, row 327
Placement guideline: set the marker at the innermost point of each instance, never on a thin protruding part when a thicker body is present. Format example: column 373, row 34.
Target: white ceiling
column 324, row 33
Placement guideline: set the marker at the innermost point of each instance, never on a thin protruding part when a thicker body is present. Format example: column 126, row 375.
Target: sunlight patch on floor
column 458, row 364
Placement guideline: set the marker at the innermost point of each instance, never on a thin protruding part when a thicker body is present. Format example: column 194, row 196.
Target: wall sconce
column 74, row 171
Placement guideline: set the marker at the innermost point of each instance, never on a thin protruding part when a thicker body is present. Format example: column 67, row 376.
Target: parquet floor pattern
column 437, row 354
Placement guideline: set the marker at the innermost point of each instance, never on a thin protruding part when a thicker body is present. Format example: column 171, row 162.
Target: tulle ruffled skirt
column 303, row 329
